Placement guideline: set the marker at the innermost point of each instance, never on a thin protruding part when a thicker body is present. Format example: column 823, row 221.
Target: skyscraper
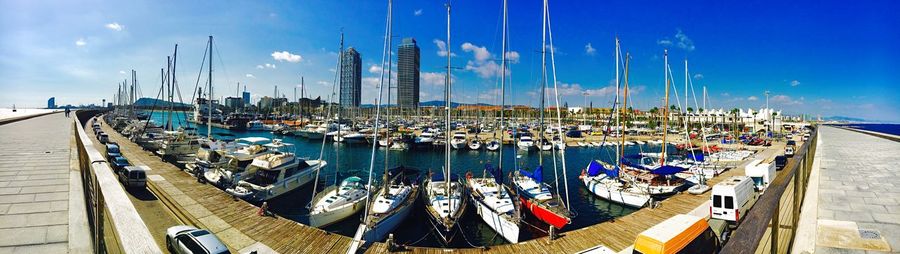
column 351, row 78
column 246, row 96
column 51, row 103
column 408, row 74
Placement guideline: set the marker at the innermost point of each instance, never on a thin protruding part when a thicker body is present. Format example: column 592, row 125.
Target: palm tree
column 734, row 115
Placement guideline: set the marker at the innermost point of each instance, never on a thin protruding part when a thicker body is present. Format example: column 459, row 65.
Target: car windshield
column 113, row 149
column 121, row 160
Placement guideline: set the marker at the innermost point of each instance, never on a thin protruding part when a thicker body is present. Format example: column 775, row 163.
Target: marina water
column 355, row 159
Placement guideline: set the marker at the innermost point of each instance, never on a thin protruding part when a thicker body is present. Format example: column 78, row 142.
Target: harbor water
column 356, row 160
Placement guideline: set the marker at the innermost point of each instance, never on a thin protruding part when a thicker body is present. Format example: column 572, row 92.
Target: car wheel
column 168, row 244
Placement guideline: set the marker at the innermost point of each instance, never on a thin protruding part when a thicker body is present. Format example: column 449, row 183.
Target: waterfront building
column 234, row 103
column 51, row 103
column 408, row 74
column 267, row 103
column 351, row 78
column 246, row 97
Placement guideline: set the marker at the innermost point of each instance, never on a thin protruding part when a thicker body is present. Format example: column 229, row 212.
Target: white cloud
column 752, row 98
column 259, row 66
column 270, row 66
column 725, row 94
column 589, row 49
column 795, row 83
column 512, row 57
column 684, row 42
column 286, row 56
column 122, row 72
column 375, row 69
column 114, row 26
column 432, row 78
column 484, row 69
column 442, row 48
column 698, row 76
column 664, row 42
column 418, row 12
column 323, row 83
column 250, row 75
column 80, row 42
column 481, row 53
column 332, row 69
column 786, row 100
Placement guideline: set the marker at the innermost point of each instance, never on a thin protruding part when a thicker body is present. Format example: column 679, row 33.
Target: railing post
column 774, row 235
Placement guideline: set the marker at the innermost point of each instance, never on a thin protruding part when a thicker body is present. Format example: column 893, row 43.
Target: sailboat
column 399, row 191
column 603, row 179
column 337, row 202
column 534, row 194
column 490, row 196
column 445, row 198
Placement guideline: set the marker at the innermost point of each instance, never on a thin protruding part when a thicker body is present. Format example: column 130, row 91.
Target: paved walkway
column 35, row 188
column 857, row 195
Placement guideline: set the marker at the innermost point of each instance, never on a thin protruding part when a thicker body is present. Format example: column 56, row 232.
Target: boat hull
column 543, row 214
column 387, row 225
column 327, row 218
column 616, row 196
column 506, row 228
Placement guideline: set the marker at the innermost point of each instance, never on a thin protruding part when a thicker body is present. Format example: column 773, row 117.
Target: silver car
column 187, row 239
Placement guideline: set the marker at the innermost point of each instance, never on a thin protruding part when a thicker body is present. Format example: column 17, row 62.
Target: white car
column 187, row 239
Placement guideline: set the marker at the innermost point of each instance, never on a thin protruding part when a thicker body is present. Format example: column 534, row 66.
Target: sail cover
column 537, row 175
column 498, row 175
column 596, row 167
column 696, row 156
column 667, row 170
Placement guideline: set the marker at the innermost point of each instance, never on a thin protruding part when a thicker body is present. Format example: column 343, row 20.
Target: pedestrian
column 67, row 111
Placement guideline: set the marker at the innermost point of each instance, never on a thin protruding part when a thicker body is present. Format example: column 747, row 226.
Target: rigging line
column 677, row 100
column 327, row 125
column 222, row 63
column 200, row 74
column 385, row 51
column 702, row 127
column 152, row 108
column 463, row 233
column 562, row 153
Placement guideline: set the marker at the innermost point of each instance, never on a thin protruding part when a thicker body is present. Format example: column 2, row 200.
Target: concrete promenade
column 42, row 206
column 853, row 204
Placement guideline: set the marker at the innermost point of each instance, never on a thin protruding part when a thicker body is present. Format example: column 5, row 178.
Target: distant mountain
column 151, row 102
column 844, row 119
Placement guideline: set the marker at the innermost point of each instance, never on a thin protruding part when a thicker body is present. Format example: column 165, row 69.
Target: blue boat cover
column 440, row 177
column 667, row 170
column 697, row 156
column 595, row 168
column 497, row 173
column 537, row 175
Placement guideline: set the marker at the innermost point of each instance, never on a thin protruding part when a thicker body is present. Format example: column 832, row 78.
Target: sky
column 818, row 58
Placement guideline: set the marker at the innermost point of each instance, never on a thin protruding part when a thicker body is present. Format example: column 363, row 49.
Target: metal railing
column 771, row 225
column 115, row 225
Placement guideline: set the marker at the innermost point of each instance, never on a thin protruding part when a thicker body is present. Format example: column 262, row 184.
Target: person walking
column 67, row 111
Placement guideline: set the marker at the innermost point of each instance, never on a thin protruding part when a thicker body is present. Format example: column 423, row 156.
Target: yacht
column 493, row 145
column 338, row 202
column 391, row 204
column 181, row 145
column 352, row 138
column 526, row 142
column 425, row 139
column 602, row 179
column 475, row 144
column 458, row 141
column 494, row 204
column 256, row 125
column 276, row 173
column 445, row 203
column 545, row 145
column 535, row 196
column 237, row 157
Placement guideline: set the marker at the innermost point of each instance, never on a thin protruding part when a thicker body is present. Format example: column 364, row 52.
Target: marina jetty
column 58, row 187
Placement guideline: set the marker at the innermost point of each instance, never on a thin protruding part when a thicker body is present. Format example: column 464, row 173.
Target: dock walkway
column 853, row 188
column 234, row 221
column 42, row 207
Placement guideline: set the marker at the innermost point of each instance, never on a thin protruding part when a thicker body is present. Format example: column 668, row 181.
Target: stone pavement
column 857, row 205
column 35, row 183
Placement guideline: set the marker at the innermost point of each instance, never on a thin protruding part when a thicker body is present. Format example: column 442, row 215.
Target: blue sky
column 815, row 57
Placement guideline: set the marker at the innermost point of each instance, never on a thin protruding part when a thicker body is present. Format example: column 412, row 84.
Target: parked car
column 133, row 176
column 112, row 151
column 780, row 162
column 187, row 239
column 118, row 163
column 103, row 138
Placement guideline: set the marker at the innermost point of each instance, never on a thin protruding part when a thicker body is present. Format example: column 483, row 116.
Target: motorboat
column 475, row 144
column 425, row 139
column 493, row 145
column 238, row 156
column 458, row 140
column 256, row 125
column 276, row 173
column 526, row 142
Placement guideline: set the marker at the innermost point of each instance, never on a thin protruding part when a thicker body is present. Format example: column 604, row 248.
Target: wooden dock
column 236, row 222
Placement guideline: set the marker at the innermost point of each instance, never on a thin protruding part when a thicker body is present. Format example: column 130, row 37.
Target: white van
column 732, row 198
column 789, row 151
column 762, row 173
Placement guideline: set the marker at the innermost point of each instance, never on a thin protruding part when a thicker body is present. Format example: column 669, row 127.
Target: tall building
column 408, row 74
column 51, row 103
column 246, row 97
column 351, row 78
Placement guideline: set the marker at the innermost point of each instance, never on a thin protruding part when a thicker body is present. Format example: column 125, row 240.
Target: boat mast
column 624, row 109
column 386, row 51
column 209, row 103
column 387, row 122
column 502, row 92
column 562, row 153
column 447, row 102
column 543, row 79
column 615, row 104
column 169, row 88
column 662, row 156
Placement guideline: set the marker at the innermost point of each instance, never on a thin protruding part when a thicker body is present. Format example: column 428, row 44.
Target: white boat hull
column 614, row 195
column 330, row 217
column 508, row 229
column 387, row 225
